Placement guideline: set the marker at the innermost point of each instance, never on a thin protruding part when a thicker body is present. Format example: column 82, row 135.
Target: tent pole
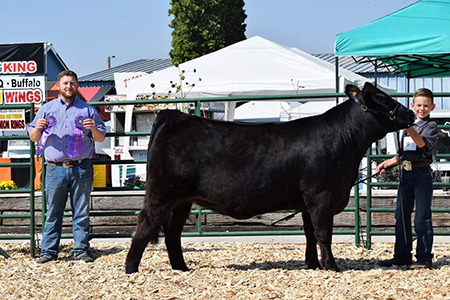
column 376, row 73
column 408, row 85
column 336, row 66
column 408, row 89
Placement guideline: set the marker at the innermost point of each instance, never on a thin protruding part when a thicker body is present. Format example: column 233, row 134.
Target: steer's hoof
column 184, row 269
column 330, row 266
column 313, row 266
column 333, row 268
column 130, row 269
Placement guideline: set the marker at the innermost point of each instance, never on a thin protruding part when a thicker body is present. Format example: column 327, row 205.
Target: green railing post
column 198, row 105
column 198, row 222
column 29, row 164
column 369, row 199
column 356, row 205
column 3, row 252
column 32, row 213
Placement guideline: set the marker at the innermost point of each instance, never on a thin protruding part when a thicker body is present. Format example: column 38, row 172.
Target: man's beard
column 68, row 96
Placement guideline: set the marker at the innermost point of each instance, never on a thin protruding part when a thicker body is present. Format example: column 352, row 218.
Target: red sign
column 22, row 96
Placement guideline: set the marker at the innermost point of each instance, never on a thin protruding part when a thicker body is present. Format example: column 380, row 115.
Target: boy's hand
column 381, row 168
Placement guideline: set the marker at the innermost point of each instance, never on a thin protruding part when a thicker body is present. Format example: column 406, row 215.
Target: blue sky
column 86, row 32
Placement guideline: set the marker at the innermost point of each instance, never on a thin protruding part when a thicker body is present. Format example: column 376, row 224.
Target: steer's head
column 381, row 106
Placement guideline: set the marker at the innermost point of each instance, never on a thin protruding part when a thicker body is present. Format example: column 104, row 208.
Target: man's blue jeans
column 415, row 185
column 60, row 181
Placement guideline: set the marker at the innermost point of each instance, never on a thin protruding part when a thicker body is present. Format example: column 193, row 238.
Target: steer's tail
column 162, row 118
column 165, row 118
column 156, row 125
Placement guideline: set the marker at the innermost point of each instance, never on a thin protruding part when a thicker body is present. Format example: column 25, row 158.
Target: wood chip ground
column 226, row 270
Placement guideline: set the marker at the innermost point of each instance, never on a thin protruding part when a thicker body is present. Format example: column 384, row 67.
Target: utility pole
column 108, row 59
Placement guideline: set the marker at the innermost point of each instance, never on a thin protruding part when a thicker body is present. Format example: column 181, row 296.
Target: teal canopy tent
column 414, row 41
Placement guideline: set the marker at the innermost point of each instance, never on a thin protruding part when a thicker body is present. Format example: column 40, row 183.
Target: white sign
column 22, row 89
column 122, row 80
column 12, row 119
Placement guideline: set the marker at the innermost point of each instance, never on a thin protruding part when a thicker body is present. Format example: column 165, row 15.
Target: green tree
column 204, row 26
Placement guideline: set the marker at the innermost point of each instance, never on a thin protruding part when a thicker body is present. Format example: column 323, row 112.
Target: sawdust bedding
column 230, row 270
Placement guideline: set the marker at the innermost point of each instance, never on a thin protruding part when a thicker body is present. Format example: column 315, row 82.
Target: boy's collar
column 424, row 119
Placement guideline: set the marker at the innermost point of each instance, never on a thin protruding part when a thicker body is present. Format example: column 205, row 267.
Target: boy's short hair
column 68, row 73
column 424, row 92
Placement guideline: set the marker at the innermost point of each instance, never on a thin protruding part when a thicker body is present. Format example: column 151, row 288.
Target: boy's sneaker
column 393, row 261
column 85, row 257
column 420, row 265
column 45, row 259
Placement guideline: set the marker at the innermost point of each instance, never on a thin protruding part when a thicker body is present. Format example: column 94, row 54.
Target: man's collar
column 63, row 102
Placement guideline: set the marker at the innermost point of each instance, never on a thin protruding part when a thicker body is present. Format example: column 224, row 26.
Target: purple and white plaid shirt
column 56, row 147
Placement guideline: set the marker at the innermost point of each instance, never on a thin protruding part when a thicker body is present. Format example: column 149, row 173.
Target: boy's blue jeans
column 60, row 181
column 415, row 185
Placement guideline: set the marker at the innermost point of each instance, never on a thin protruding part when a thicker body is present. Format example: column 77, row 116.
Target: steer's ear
column 353, row 92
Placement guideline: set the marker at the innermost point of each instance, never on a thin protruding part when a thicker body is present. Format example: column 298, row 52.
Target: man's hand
column 35, row 133
column 89, row 124
column 96, row 134
column 41, row 124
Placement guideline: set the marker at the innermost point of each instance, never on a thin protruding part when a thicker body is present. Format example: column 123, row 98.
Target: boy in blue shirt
column 416, row 184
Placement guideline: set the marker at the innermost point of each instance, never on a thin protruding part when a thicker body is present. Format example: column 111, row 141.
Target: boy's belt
column 67, row 164
column 409, row 166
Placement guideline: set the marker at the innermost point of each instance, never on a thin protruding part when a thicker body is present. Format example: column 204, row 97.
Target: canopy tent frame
column 422, row 49
column 412, row 49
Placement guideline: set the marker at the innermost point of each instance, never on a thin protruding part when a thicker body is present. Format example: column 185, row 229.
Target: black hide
column 242, row 170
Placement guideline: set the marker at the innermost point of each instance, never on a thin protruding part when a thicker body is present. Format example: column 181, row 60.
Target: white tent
column 255, row 66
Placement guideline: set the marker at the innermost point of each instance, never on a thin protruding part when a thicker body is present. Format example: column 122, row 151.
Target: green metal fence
column 31, row 214
column 198, row 211
column 371, row 210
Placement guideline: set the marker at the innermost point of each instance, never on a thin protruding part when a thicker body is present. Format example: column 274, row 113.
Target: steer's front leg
column 322, row 221
column 311, row 257
column 327, row 259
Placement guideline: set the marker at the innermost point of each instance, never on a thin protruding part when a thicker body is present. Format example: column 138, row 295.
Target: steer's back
column 235, row 168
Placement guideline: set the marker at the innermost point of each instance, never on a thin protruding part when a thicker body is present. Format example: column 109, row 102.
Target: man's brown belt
column 67, row 164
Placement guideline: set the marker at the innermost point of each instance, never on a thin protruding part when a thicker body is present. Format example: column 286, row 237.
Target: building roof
column 141, row 65
column 356, row 64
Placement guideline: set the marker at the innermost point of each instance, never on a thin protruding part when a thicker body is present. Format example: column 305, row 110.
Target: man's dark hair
column 68, row 73
column 424, row 92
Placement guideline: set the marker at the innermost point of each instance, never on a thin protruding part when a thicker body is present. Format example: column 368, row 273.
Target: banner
column 12, row 119
column 21, row 89
column 22, row 59
column 22, row 70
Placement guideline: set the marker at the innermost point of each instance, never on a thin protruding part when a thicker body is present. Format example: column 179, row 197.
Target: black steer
column 243, row 170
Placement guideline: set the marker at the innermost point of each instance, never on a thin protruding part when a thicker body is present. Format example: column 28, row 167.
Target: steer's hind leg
column 140, row 240
column 311, row 257
column 172, row 232
column 150, row 220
